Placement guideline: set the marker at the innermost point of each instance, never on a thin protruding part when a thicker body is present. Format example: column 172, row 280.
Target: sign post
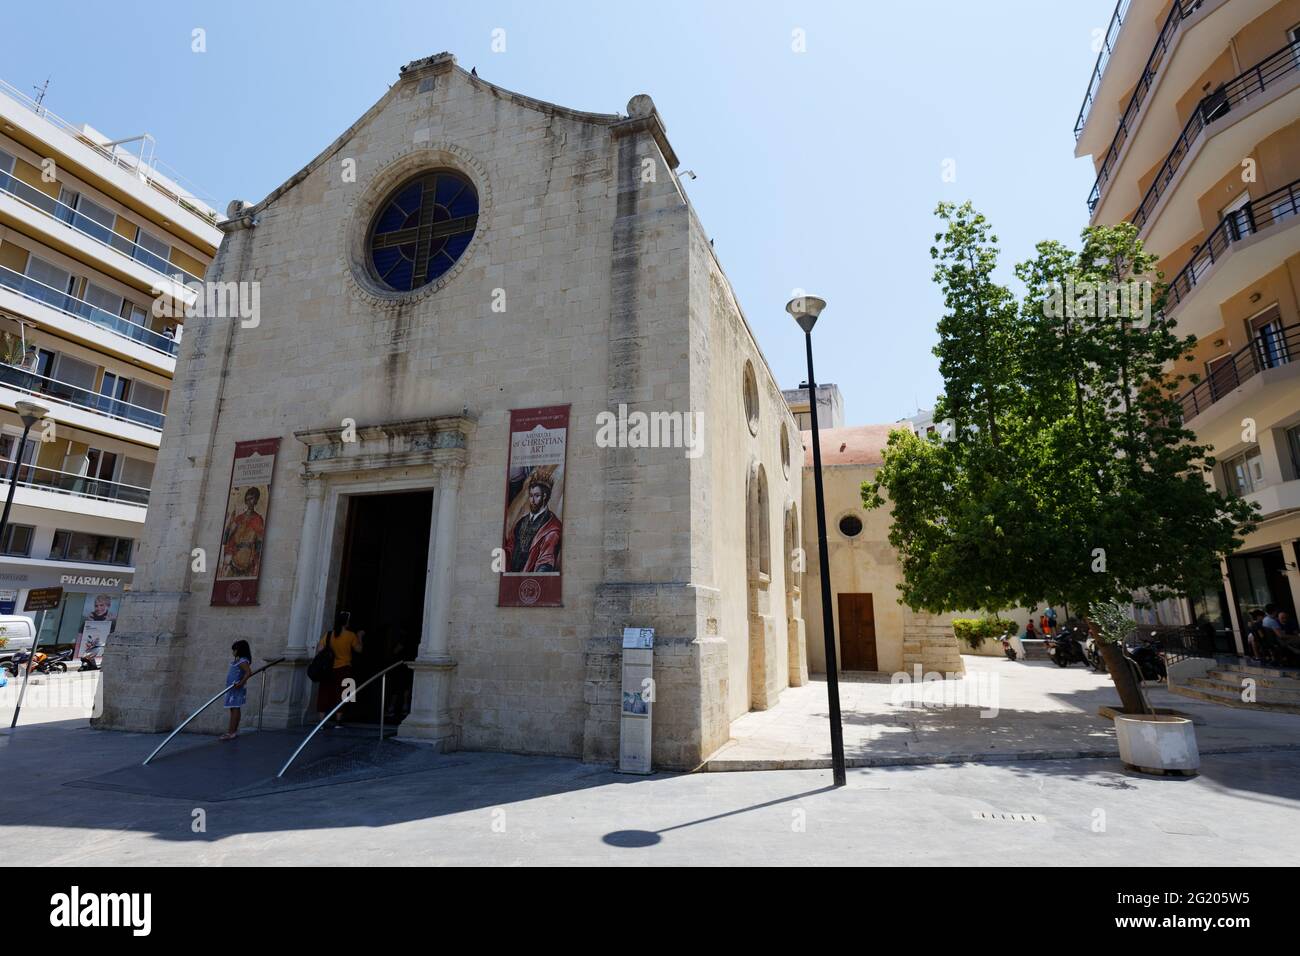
column 38, row 599
column 637, row 700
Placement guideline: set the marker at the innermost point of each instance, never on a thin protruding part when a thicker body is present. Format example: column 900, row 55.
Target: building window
column 1293, row 445
column 90, row 548
column 850, row 526
column 18, row 541
column 1244, row 473
column 785, row 450
column 422, row 229
column 750, row 386
column 151, row 251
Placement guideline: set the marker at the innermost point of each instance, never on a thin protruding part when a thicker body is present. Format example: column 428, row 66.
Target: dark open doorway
column 381, row 582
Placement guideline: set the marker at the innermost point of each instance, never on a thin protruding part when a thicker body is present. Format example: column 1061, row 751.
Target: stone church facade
column 582, row 278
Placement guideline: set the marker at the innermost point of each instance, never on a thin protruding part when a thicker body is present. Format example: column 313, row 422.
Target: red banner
column 243, row 532
column 533, row 532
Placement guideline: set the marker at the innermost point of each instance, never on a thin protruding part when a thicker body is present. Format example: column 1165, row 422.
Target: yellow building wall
column 1266, row 34
column 13, row 256
column 31, row 175
column 187, row 262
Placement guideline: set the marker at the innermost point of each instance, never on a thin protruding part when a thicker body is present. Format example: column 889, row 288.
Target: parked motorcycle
column 39, row 662
column 1007, row 648
column 1093, row 653
column 91, row 663
column 1148, row 655
column 1066, row 647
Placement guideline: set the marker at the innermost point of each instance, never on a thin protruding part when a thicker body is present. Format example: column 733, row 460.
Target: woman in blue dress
column 241, row 669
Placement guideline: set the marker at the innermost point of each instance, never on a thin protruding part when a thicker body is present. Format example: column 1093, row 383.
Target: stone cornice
column 653, row 125
column 440, row 441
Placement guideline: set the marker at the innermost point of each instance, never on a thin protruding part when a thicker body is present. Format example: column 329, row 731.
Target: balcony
column 41, row 385
column 1103, row 57
column 1249, row 220
column 1180, row 11
column 168, row 184
column 33, row 198
column 29, row 288
column 1269, row 350
column 66, row 483
column 1245, row 87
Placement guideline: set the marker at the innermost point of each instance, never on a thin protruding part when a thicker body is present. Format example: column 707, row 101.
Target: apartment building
column 92, row 233
column 1192, row 118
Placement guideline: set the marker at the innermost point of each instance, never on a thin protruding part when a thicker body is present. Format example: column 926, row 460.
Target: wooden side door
column 857, row 633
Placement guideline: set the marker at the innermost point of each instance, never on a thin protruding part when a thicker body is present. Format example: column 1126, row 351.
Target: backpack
column 322, row 663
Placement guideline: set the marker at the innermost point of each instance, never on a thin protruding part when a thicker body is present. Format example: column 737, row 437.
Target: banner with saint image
column 243, row 531
column 533, row 534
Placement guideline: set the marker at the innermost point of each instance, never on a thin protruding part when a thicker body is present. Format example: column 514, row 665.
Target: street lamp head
column 806, row 309
column 30, row 412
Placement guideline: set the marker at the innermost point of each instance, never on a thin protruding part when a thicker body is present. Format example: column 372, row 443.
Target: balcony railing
column 1260, row 77
column 68, row 304
column 1103, row 57
column 67, row 483
column 1257, row 214
column 33, row 384
column 1269, row 349
column 167, row 183
column 35, row 199
column 1179, row 12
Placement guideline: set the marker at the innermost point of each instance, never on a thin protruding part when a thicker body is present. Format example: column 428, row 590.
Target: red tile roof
column 858, row 445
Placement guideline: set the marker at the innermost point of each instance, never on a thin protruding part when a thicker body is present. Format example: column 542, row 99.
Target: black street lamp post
column 805, row 310
column 30, row 413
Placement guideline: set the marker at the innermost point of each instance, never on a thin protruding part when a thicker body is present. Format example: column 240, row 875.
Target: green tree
column 1064, row 472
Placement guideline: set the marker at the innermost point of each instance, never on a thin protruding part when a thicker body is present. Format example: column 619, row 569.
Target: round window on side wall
column 750, row 385
column 421, row 229
column 850, row 526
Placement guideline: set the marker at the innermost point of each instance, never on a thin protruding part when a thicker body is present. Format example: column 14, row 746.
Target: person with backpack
column 335, row 649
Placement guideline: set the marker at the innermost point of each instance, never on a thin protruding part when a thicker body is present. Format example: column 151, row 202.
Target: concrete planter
column 1157, row 743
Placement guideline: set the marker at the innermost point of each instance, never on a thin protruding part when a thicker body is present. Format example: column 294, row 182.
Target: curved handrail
column 324, row 720
column 212, row 700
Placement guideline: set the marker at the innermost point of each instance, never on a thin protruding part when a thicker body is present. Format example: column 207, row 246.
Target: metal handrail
column 35, row 199
column 170, row 184
column 324, row 720
column 70, row 305
column 1271, row 349
column 1177, row 14
column 1226, row 98
column 212, row 700
column 1258, row 214
column 13, row 375
column 1103, row 58
column 80, row 486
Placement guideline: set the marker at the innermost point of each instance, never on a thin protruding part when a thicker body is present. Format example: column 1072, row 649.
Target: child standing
column 241, row 669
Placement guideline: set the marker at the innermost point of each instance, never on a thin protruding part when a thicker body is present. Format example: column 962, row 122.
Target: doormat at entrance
column 215, row 770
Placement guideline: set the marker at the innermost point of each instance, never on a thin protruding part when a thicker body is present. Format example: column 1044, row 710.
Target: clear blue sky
column 817, row 170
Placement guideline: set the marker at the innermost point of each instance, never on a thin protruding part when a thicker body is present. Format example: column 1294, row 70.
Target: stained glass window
column 423, row 227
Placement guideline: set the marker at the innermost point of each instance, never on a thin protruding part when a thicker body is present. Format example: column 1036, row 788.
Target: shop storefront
column 87, row 613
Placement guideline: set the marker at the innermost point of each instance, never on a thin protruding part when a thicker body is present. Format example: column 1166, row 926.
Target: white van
column 17, row 633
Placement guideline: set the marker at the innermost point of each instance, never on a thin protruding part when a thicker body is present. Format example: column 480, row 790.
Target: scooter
column 1007, row 649
column 1093, row 653
column 1148, row 656
column 1066, row 647
column 90, row 663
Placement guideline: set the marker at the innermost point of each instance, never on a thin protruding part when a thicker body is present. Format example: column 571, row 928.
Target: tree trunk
column 1130, row 693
